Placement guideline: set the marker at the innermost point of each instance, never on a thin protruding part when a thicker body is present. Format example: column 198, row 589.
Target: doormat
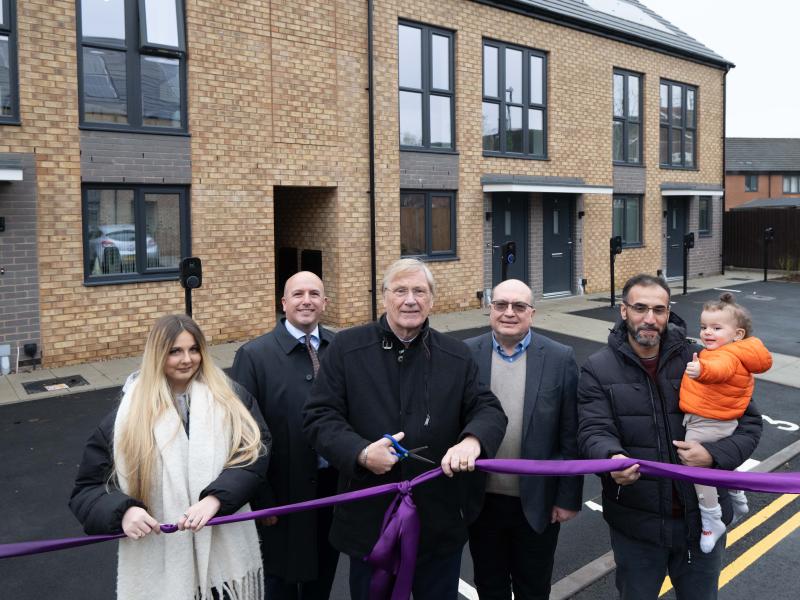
column 52, row 385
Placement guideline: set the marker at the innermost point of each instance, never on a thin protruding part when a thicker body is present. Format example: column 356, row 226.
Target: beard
column 644, row 340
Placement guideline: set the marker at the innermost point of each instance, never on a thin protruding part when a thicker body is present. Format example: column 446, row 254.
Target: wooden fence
column 744, row 238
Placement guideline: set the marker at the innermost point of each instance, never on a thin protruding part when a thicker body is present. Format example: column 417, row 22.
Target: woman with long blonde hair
column 184, row 445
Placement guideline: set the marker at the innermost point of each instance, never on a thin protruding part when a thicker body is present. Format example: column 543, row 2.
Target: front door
column 557, row 244
column 510, row 223
column 676, row 229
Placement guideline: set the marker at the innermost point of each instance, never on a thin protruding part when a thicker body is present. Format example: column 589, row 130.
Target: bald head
column 512, row 311
column 514, row 286
column 304, row 300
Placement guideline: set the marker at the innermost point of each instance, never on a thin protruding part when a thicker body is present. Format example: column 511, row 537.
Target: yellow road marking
column 742, row 530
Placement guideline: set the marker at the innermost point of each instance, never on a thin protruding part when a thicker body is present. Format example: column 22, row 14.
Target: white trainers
column 713, row 527
column 740, row 507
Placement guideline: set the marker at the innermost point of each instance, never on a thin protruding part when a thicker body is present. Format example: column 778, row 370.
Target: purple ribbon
column 393, row 557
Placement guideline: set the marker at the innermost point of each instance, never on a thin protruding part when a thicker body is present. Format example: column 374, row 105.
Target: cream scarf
column 185, row 565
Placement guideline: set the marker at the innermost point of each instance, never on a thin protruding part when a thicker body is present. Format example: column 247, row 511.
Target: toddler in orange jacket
column 715, row 391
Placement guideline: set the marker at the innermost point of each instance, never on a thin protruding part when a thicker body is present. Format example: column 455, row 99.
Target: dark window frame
column 749, row 185
column 135, row 48
column 788, row 179
column 670, row 126
column 626, row 119
column 429, row 254
column 143, row 273
column 8, row 29
column 704, row 228
column 525, row 104
column 628, row 197
column 427, row 90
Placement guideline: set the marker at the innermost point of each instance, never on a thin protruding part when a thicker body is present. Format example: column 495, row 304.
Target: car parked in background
column 112, row 249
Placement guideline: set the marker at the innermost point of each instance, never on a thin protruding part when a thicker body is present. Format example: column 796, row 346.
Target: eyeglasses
column 517, row 307
column 642, row 309
column 418, row 293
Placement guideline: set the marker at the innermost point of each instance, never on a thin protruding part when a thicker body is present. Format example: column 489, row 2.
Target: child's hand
column 693, row 369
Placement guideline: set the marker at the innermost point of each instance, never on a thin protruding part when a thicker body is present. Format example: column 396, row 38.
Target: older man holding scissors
column 399, row 375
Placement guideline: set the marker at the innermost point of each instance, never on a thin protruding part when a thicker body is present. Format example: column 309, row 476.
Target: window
column 627, row 219
column 704, row 222
column 678, row 117
column 132, row 64
column 751, row 183
column 134, row 232
column 627, row 141
column 425, row 62
column 9, row 92
column 427, row 223
column 514, row 100
column 791, row 184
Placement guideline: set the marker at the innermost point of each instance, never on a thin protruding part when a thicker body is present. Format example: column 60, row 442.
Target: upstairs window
column 627, row 123
column 791, row 184
column 514, row 101
column 751, row 183
column 678, row 125
column 9, row 92
column 425, row 63
column 132, row 64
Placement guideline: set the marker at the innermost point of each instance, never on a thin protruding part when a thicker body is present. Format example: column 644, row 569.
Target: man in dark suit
column 513, row 540
column 278, row 368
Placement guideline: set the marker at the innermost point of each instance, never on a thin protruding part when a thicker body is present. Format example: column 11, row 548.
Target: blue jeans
column 434, row 579
column 641, row 567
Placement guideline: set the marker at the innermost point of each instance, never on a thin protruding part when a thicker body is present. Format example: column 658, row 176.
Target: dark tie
column 313, row 354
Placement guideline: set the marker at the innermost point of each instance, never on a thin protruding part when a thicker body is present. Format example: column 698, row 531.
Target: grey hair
column 408, row 265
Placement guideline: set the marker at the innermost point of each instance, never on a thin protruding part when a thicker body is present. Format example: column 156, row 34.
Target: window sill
column 517, row 156
column 433, row 258
column 12, row 122
column 427, row 150
column 632, row 246
column 126, row 129
column 637, row 165
column 135, row 278
column 705, row 234
column 677, row 168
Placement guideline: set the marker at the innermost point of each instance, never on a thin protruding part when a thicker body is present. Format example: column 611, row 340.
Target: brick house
column 137, row 132
column 761, row 169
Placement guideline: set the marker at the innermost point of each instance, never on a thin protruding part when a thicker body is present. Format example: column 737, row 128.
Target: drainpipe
column 371, row 96
column 724, row 124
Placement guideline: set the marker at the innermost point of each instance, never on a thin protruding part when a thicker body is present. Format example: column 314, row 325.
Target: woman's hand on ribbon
column 462, row 456
column 198, row 514
column 379, row 457
column 137, row 523
column 626, row 477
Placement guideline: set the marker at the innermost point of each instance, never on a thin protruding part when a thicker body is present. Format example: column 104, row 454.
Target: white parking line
column 466, row 590
column 593, row 505
column 728, row 290
column 748, row 465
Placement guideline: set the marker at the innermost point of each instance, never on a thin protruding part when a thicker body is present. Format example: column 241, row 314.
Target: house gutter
column 371, row 97
column 724, row 136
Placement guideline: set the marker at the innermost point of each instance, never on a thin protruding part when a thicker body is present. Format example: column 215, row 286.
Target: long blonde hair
column 152, row 397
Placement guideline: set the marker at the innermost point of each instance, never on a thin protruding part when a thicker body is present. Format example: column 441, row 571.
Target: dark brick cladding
column 112, row 157
column 428, row 170
column 19, row 284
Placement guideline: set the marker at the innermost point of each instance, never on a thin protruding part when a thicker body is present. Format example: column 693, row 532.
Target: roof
column 769, row 203
column 762, row 154
column 628, row 20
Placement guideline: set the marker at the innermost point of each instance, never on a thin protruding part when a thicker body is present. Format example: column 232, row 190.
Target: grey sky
column 760, row 38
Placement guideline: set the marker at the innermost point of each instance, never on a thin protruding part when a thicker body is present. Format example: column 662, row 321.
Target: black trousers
column 327, row 556
column 507, row 552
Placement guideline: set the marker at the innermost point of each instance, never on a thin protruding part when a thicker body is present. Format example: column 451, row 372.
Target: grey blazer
column 549, row 430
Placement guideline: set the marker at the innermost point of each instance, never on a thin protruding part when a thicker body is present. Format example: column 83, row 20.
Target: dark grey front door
column 557, row 243
column 676, row 229
column 510, row 223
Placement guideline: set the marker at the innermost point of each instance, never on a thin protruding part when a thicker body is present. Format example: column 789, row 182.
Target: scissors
column 403, row 453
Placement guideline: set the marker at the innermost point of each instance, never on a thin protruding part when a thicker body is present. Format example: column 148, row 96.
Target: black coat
column 370, row 385
column 277, row 370
column 550, row 422
column 99, row 504
column 621, row 411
